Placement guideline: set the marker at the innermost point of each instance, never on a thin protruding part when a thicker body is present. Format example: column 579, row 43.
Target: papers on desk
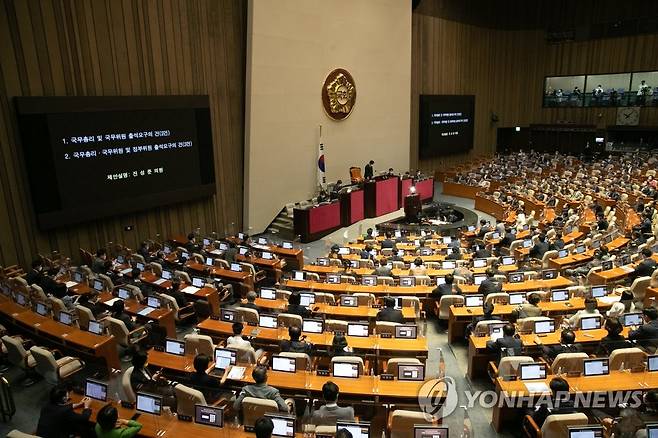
column 112, row 301
column 261, row 247
column 610, row 299
column 236, row 373
column 537, row 387
column 70, row 284
column 216, row 252
column 159, row 281
column 628, row 268
column 145, row 311
column 126, row 271
column 191, row 290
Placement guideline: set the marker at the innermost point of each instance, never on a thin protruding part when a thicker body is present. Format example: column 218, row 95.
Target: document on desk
column 112, row 301
column 145, row 311
column 537, row 387
column 70, row 284
column 628, row 268
column 126, row 271
column 191, row 290
column 610, row 299
column 216, row 252
column 159, row 281
column 236, row 373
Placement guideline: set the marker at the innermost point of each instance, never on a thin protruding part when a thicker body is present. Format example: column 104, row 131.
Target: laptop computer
column 585, row 431
column 174, row 346
column 532, row 371
column 360, row 330
column 406, row 331
column 590, row 322
column 284, row 364
column 595, row 367
column 544, row 326
column 474, row 300
column 96, row 390
column 345, row 369
column 149, row 403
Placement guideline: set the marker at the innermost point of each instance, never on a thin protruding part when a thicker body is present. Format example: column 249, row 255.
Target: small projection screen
column 446, row 125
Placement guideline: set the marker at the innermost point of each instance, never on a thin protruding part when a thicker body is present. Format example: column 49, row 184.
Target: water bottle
column 559, row 371
column 375, row 381
column 621, row 366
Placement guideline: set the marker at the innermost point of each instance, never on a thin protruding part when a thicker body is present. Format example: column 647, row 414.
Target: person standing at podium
column 368, row 171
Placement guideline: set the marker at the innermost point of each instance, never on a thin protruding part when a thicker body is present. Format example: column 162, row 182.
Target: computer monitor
column 343, row 250
column 333, row 278
column 306, row 299
column 496, row 330
column 210, row 261
column 590, row 322
column 354, row 264
column 447, row 240
column 166, row 249
column 532, row 371
column 411, row 372
column 349, row 301
column 595, row 244
column 267, row 321
column 633, row 318
column 407, row 281
column 652, row 430
column 313, row 326
column 544, row 326
column 198, row 282
column 241, row 236
column 78, row 277
column 448, row 264
column 369, row 280
column 559, row 295
column 515, row 277
column 225, row 357
column 474, row 300
column 267, row 293
column 508, row 261
column 149, row 403
column 236, row 267
column 440, row 281
column 285, row 364
column 527, row 243
column 166, row 274
column 140, row 266
column 652, row 363
column 599, row 291
column 228, row 315
column 41, row 308
column 123, row 293
column 580, row 249
column 96, row 390
column 322, row 261
column 406, row 331
column 426, row 251
column 98, row 285
column 478, row 279
column 284, row 425
column 549, row 274
column 625, row 260
column 345, row 369
column 21, row 299
column 299, row 275
column 357, row 430
column 209, row 415
column 153, row 302
column 400, row 253
column 607, row 265
column 286, row 245
column 65, row 318
column 174, row 346
column 479, row 263
column 495, row 235
column 585, row 431
column 562, row 253
column 262, row 241
column 206, row 242
column 595, row 367
column 517, row 297
column 358, row 329
column 223, row 246
column 428, row 431
column 95, row 327
column 243, row 250
column 121, row 259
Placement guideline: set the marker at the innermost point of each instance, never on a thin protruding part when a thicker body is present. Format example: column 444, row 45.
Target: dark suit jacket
column 387, row 243
column 34, row 277
column 297, row 309
column 489, row 286
column 538, row 250
column 552, row 351
column 611, row 343
column 445, row 289
column 368, row 171
column 209, row 386
column 179, row 296
column 250, row 306
column 557, row 244
column 645, row 268
column 126, row 320
column 60, row 421
column 564, row 407
column 505, row 343
column 646, row 332
column 482, row 253
column 390, row 315
column 288, row 346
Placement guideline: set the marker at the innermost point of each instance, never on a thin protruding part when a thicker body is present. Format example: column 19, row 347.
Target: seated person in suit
column 36, row 275
column 366, row 254
column 236, row 340
column 614, row 339
column 389, row 312
column 251, row 301
column 211, row 387
column 487, row 315
column 507, row 345
column 330, row 412
column 531, row 308
column 382, row 269
column 418, row 268
column 455, row 254
column 559, row 403
column 295, row 307
column 567, row 345
column 191, row 244
column 118, row 312
column 590, row 309
column 647, row 334
column 483, row 229
column 263, row 427
column 538, row 250
column 260, row 389
column 339, row 346
column 387, row 242
column 558, row 243
column 145, row 251
column 489, row 285
column 296, row 344
column 646, row 267
column 447, row 288
column 176, row 294
column 482, row 252
column 369, row 234
column 58, row 418
column 100, row 264
column 143, row 380
column 90, row 303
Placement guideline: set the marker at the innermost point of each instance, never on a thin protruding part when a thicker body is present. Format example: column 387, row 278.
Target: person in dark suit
column 538, row 250
column 295, row 344
column 388, row 242
column 58, row 418
column 35, row 276
column 646, row 267
column 365, row 253
column 192, row 245
column 118, row 312
column 454, row 255
column 560, row 402
column 389, row 312
column 507, row 345
column 489, row 285
column 295, row 307
column 330, row 412
column 484, row 229
column 368, row 172
column 144, row 251
column 508, row 238
column 251, row 301
column 448, row 288
column 200, row 380
column 263, row 427
column 482, row 252
column 601, row 223
column 143, row 380
column 614, row 339
column 230, row 252
column 558, row 243
column 487, row 315
column 176, row 294
column 382, row 269
column 647, row 334
column 567, row 345
column 100, row 264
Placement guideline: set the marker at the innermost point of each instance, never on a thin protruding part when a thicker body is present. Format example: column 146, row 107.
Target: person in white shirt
column 236, row 340
column 642, row 88
column 589, row 310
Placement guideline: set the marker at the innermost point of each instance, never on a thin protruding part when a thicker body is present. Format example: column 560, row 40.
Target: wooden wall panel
column 506, row 69
column 121, row 47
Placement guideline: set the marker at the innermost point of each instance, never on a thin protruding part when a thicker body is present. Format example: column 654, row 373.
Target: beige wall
column 292, row 46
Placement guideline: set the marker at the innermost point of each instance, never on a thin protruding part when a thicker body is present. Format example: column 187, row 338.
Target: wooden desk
column 524, row 286
column 78, row 289
column 270, row 338
column 273, row 267
column 244, row 279
column 334, row 312
column 323, row 270
column 460, row 190
column 490, row 206
column 70, row 338
column 163, row 316
column 314, row 222
column 210, row 294
column 293, row 256
column 344, row 288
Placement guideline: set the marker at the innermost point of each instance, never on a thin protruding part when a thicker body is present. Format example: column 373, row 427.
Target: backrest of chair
column 254, row 408
column 386, row 327
column 15, row 351
column 423, row 280
column 282, row 294
column 403, row 421
column 350, row 359
column 364, row 299
column 184, row 276
column 46, row 364
column 40, row 295
column 108, row 285
column 568, row 362
column 18, row 434
column 171, row 303
column 446, row 301
column 528, row 324
column 557, row 425
column 119, row 330
column 128, row 392
column 497, row 298
column 509, row 365
column 389, row 281
column 335, row 325
column 187, row 398
column 325, row 297
column 244, row 355
column 639, row 287
column 200, row 344
column 289, row 320
column 84, row 316
column 302, row 360
column 135, row 292
column 482, row 327
column 312, row 276
column 392, row 364
column 57, row 305
column 248, row 315
column 629, row 357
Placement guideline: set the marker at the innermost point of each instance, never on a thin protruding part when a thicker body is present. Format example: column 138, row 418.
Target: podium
column 381, row 196
column 412, row 206
column 316, row 221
